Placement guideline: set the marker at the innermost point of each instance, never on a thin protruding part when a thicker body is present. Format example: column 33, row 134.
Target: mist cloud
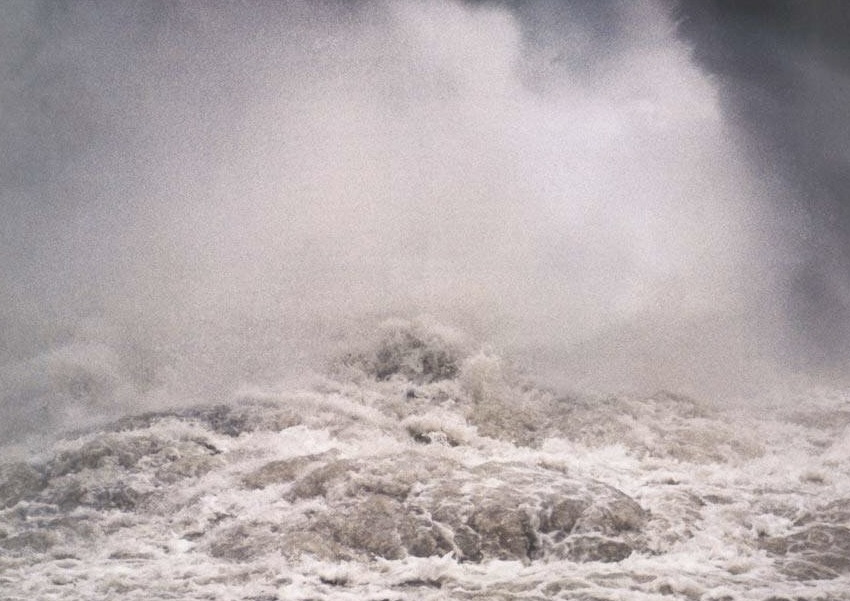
column 198, row 195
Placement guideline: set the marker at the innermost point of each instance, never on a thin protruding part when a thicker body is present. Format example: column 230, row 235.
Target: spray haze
column 198, row 195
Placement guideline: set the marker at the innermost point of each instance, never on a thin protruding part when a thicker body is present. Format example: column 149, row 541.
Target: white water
column 179, row 505
column 201, row 204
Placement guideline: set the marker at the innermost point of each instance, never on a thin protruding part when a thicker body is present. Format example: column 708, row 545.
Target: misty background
column 620, row 196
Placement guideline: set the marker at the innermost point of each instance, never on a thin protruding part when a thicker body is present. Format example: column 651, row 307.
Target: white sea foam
column 231, row 501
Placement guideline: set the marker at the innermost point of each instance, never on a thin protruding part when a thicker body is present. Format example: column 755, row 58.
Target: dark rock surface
column 416, row 505
column 818, row 547
column 419, row 503
column 19, row 481
column 116, row 471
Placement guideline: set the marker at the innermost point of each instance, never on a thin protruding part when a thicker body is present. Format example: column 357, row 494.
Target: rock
column 597, row 548
column 123, row 451
column 37, row 541
column 18, row 482
column 819, row 546
column 391, row 507
column 619, row 514
column 319, row 481
column 562, row 515
column 371, row 525
column 242, row 543
column 115, row 471
column 229, row 420
column 380, row 526
column 283, row 470
column 70, row 492
column 187, row 466
column 506, row 532
column 423, row 502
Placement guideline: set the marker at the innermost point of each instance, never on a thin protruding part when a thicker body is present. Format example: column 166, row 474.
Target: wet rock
column 342, row 478
column 562, row 515
column 222, row 419
column 229, row 420
column 284, row 470
column 421, row 503
column 819, row 546
column 37, row 541
column 18, row 482
column 835, row 512
column 506, row 532
column 186, row 466
column 467, row 543
column 233, row 420
column 111, row 450
column 798, row 569
column 120, row 496
column 70, row 492
column 371, row 525
column 116, row 471
column 422, row 538
column 243, row 542
column 319, row 481
column 297, row 543
column 66, row 494
column 618, row 514
column 494, row 511
column 597, row 548
column 418, row 351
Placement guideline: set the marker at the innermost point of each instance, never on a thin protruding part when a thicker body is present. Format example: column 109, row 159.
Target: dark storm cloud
column 783, row 70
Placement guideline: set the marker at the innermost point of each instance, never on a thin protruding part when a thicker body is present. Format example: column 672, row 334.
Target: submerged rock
column 596, row 548
column 69, row 497
column 424, row 502
column 19, row 481
column 819, row 546
column 282, row 470
column 232, row 420
column 372, row 524
column 420, row 505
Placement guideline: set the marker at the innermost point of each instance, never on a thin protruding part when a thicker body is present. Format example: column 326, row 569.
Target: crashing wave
column 427, row 465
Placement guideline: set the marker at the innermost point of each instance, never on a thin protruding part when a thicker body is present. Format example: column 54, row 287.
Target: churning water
column 222, row 225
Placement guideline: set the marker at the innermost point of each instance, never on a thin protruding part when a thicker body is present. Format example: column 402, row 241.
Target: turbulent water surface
column 433, row 299
column 426, row 469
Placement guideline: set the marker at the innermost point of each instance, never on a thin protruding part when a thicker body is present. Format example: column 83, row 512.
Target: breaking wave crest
column 424, row 466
